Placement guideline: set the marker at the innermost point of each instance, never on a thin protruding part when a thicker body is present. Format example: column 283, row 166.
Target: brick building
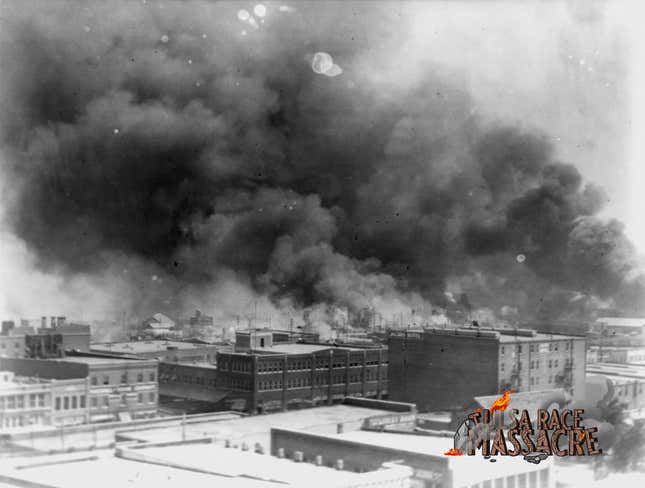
column 445, row 368
column 189, row 388
column 115, row 388
column 277, row 376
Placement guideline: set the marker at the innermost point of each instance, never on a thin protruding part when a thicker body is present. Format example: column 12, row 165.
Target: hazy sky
column 563, row 69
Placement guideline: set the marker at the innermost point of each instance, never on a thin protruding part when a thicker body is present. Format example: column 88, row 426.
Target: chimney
column 43, row 322
column 319, row 460
column 298, row 456
column 60, row 321
column 52, row 322
column 340, row 464
column 280, row 452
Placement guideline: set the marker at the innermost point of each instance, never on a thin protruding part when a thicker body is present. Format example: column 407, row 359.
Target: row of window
column 124, row 378
column 535, row 364
column 3, row 345
column 105, row 400
column 191, row 380
column 552, row 346
column 305, row 382
column 69, row 402
column 19, row 402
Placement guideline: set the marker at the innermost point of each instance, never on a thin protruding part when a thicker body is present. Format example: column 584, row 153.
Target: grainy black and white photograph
column 335, row 244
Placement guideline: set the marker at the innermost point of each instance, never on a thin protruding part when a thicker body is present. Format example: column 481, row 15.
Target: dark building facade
column 445, row 368
column 292, row 375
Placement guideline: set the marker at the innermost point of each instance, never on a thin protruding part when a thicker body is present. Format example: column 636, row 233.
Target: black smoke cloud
column 208, row 154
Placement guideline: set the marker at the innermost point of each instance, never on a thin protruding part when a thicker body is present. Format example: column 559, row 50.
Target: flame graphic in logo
column 501, row 403
column 453, row 452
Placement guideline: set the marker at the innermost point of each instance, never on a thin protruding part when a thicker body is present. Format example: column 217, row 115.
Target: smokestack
column 52, row 322
column 43, row 322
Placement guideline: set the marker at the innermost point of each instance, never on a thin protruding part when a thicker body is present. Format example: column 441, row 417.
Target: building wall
column 45, row 368
column 267, row 382
column 441, row 371
column 70, row 405
column 114, row 388
column 429, row 470
column 12, row 346
column 128, row 388
column 24, row 404
column 543, row 365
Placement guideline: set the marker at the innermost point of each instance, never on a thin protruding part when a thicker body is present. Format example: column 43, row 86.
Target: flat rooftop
column 97, row 360
column 135, row 347
column 194, row 465
column 299, row 348
column 503, row 335
column 257, row 428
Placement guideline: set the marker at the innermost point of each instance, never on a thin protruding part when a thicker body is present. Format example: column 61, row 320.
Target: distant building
column 163, row 350
column 54, row 338
column 445, row 368
column 117, row 389
column 619, row 325
column 248, row 339
column 28, row 402
column 159, row 325
column 12, row 343
column 625, row 383
column 263, row 375
column 621, row 355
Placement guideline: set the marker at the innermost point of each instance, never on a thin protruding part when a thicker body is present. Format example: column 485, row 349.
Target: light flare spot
column 260, row 10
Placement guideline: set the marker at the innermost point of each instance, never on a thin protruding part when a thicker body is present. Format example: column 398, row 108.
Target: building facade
column 115, row 389
column 24, row 402
column 292, row 375
column 445, row 368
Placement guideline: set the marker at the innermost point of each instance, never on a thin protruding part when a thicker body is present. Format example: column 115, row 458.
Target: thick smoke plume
column 197, row 160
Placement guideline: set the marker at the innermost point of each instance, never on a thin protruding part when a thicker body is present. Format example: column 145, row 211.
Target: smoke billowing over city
column 162, row 157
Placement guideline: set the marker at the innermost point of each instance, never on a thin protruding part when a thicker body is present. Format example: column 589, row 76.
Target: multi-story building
column 626, row 383
column 34, row 401
column 620, row 355
column 445, row 368
column 12, row 345
column 116, row 388
column 277, row 376
column 172, row 351
column 24, row 402
column 189, row 388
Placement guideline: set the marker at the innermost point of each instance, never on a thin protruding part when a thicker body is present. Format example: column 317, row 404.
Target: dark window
column 140, row 377
column 57, row 403
column 124, row 378
column 74, row 402
column 93, row 380
column 82, row 401
column 66, row 403
column 152, row 376
column 106, row 380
